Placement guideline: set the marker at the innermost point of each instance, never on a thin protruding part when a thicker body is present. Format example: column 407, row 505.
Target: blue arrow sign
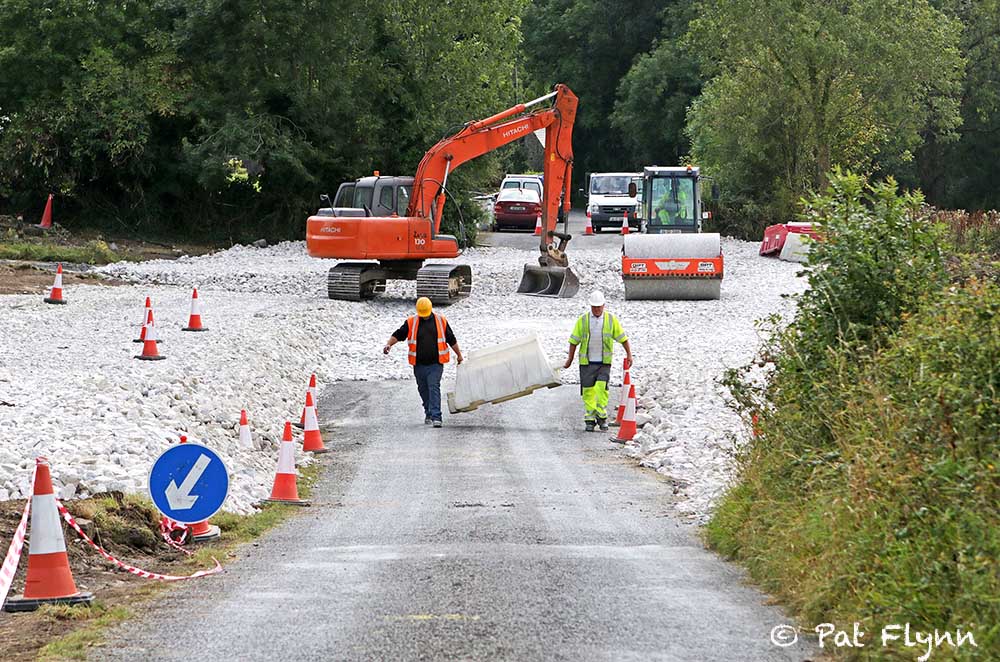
column 188, row 483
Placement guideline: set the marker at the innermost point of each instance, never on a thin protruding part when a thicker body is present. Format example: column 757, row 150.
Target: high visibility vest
column 412, row 323
column 611, row 333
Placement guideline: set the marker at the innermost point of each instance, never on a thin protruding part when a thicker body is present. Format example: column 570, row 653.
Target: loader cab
column 671, row 199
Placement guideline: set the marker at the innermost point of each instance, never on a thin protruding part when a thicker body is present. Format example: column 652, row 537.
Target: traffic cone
column 627, row 430
column 246, row 441
column 313, row 441
column 589, row 229
column 149, row 351
column 202, row 531
column 286, row 489
column 55, row 294
column 623, row 401
column 312, row 389
column 46, row 222
column 194, row 321
column 538, row 225
column 49, row 579
column 625, row 227
column 145, row 316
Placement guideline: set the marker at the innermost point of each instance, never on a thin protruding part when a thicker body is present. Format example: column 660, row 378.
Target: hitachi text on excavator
column 394, row 223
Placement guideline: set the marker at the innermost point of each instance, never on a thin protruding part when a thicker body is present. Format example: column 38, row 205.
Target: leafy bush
column 869, row 490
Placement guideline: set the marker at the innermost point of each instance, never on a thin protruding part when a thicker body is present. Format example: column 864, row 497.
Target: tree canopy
column 229, row 118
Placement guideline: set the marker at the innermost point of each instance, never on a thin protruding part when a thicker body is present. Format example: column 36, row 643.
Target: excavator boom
column 401, row 244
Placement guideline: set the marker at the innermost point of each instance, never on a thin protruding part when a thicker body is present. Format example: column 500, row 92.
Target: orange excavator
column 394, row 223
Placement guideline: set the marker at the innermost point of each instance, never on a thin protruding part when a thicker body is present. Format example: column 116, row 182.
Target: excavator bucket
column 559, row 282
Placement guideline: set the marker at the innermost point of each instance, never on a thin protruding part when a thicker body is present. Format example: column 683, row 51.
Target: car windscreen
column 518, row 195
column 609, row 185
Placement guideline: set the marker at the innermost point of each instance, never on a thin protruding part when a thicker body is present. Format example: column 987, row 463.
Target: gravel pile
column 100, row 416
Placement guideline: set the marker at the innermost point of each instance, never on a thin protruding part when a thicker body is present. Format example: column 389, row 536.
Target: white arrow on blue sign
column 188, row 483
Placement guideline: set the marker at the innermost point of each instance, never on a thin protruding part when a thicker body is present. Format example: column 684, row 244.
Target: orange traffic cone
column 286, row 488
column 55, row 294
column 625, row 227
column 626, row 382
column 46, row 222
column 149, row 351
column 589, row 229
column 49, row 579
column 538, row 225
column 201, row 531
column 145, row 316
column 194, row 321
column 246, row 441
column 313, row 441
column 627, row 430
column 312, row 389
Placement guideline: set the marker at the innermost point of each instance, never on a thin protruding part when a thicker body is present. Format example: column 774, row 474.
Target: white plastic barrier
column 503, row 372
column 796, row 247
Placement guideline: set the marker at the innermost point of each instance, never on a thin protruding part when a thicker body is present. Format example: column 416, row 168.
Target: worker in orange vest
column 428, row 336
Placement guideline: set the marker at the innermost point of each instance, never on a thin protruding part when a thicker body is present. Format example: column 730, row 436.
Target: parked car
column 533, row 182
column 517, row 208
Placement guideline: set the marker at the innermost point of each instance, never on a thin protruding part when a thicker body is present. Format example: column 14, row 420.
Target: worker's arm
column 397, row 336
column 449, row 337
column 628, row 354
column 619, row 335
column 572, row 353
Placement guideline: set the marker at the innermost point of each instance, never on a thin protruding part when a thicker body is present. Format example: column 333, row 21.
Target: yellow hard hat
column 424, row 307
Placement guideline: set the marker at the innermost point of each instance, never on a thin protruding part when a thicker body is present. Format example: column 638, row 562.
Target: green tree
column 653, row 97
column 800, row 87
column 590, row 45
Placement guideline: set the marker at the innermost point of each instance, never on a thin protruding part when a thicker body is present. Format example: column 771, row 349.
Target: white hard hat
column 596, row 298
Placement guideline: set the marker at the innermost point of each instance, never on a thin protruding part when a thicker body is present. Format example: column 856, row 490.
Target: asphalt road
column 527, row 240
column 508, row 534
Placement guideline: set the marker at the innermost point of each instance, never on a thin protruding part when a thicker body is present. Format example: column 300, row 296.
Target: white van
column 531, row 182
column 608, row 199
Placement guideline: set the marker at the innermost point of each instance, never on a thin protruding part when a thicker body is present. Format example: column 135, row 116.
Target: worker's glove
column 568, row 364
column 628, row 364
column 385, row 350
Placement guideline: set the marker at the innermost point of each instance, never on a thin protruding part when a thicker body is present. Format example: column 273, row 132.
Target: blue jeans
column 429, row 385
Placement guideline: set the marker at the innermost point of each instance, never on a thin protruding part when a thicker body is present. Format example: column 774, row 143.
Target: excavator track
column 355, row 281
column 444, row 283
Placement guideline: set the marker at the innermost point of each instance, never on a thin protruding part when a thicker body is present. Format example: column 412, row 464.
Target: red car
column 517, row 208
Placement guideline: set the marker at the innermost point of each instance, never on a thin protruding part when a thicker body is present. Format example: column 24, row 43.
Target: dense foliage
column 869, row 490
column 230, row 118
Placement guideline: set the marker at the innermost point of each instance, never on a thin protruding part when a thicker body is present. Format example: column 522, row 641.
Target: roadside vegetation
column 869, row 491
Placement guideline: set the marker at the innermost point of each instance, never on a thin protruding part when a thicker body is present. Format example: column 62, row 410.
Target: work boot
column 427, row 421
column 438, row 424
column 590, row 426
column 603, row 424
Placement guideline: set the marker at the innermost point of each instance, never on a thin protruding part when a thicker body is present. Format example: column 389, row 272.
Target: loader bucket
column 558, row 282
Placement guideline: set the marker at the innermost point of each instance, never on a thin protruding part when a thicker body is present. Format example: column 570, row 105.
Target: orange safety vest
column 412, row 323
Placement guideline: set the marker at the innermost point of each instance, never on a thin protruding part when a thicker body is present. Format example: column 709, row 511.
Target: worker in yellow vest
column 596, row 333
column 428, row 337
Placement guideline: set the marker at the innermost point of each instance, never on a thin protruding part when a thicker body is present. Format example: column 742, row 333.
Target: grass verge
column 91, row 252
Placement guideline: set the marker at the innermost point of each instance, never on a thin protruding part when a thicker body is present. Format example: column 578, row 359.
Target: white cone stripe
column 311, row 422
column 46, row 526
column 151, row 331
column 145, row 315
column 629, row 411
column 245, row 439
column 58, row 283
column 196, row 307
column 286, row 458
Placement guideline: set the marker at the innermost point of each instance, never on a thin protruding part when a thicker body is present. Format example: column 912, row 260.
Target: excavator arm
column 478, row 138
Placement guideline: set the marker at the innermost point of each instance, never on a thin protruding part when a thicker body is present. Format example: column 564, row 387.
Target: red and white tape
column 167, row 529
column 9, row 567
column 125, row 566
